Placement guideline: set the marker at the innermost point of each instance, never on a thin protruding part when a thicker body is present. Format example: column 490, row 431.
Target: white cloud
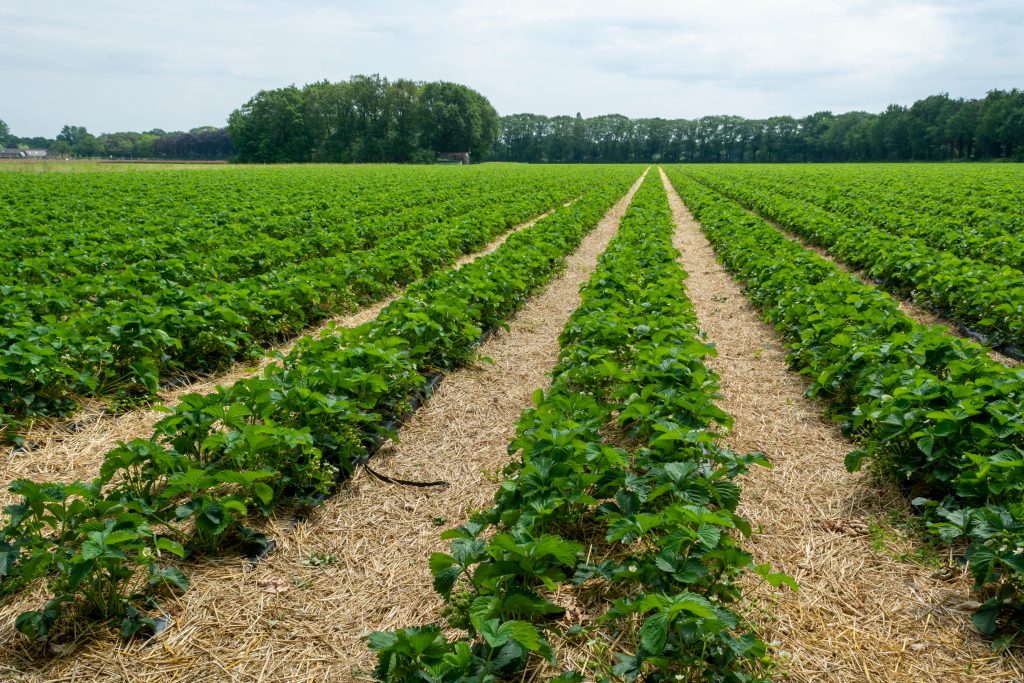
column 116, row 65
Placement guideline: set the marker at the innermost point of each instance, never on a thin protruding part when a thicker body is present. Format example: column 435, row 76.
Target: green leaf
column 985, row 619
column 694, row 604
column 382, row 640
column 523, row 633
column 654, row 633
column 445, row 572
column 493, row 634
column 854, row 460
column 168, row 576
column 709, row 535
column 776, row 579
column 564, row 551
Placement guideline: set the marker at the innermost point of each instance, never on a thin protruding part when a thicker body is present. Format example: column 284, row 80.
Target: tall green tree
column 271, row 127
column 454, row 118
column 72, row 134
column 364, row 119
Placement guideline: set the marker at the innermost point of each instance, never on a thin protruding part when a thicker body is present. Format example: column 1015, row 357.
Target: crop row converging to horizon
column 618, row 480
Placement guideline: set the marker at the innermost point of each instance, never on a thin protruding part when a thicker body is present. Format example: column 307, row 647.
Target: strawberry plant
column 114, row 309
column 651, row 527
column 288, row 436
column 931, row 410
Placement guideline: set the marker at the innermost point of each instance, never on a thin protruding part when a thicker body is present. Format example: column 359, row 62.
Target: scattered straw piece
column 372, row 542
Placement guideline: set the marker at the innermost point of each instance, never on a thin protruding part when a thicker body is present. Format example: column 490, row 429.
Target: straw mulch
column 360, row 562
column 72, row 449
column 860, row 615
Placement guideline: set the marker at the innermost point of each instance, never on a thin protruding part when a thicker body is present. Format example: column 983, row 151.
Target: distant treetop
column 364, row 119
column 937, row 128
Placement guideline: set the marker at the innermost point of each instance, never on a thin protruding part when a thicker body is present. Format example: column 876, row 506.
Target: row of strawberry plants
column 979, row 196
column 647, row 519
column 121, row 264
column 927, row 408
column 284, row 438
column 201, row 221
column 124, row 347
column 985, row 297
column 982, row 197
column 982, row 240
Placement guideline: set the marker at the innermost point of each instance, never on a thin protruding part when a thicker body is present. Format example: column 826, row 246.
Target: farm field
column 153, row 275
column 688, row 422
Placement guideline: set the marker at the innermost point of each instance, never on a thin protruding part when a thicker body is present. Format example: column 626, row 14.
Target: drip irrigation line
column 404, row 482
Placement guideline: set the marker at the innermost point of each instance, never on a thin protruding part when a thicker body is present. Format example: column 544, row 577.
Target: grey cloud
column 128, row 65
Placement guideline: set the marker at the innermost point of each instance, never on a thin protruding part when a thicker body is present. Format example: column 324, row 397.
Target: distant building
column 24, row 153
column 453, row 158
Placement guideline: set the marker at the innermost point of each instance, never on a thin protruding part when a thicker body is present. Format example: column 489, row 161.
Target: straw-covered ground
column 876, row 603
column 360, row 562
column 866, row 610
column 70, row 449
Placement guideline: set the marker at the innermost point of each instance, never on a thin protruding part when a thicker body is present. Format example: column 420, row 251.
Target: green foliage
column 666, row 510
column 937, row 128
column 283, row 438
column 927, row 408
column 114, row 301
column 924, row 260
column 364, row 119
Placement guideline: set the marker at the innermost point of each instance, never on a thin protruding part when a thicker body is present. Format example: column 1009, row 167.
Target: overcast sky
column 115, row 65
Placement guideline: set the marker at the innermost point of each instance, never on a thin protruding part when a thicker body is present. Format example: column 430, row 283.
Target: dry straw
column 66, row 449
column 360, row 562
column 860, row 615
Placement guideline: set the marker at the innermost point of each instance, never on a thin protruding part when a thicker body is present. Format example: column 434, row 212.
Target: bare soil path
column 360, row 563
column 860, row 615
column 57, row 453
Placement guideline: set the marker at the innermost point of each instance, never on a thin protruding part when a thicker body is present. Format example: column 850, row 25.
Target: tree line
column 206, row 143
column 364, row 119
column 371, row 119
column 936, row 128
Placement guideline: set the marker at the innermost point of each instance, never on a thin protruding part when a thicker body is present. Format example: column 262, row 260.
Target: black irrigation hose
column 1008, row 350
column 404, row 482
column 415, row 402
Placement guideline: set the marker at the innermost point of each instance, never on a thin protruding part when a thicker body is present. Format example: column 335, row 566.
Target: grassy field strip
column 54, row 452
column 359, row 562
column 858, row 614
column 985, row 297
column 929, row 410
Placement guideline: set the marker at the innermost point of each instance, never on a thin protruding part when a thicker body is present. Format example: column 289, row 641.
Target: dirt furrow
column 360, row 563
column 864, row 612
column 57, row 453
